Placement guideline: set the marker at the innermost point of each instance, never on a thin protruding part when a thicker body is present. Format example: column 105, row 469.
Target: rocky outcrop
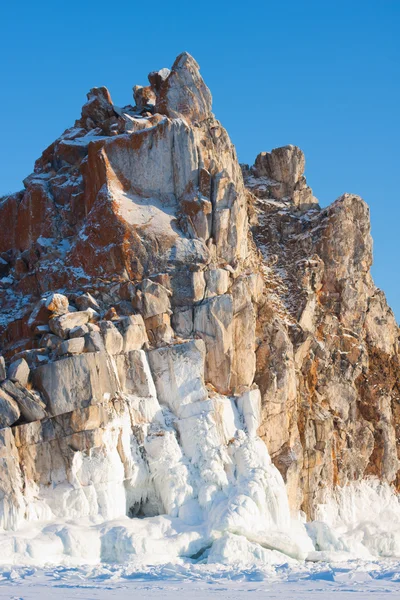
column 321, row 328
column 152, row 288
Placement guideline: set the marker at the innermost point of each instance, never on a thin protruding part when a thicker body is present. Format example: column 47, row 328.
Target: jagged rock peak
column 142, row 281
column 179, row 92
column 184, row 92
column 279, row 174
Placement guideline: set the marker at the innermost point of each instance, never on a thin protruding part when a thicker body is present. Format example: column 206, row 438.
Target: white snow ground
column 351, row 581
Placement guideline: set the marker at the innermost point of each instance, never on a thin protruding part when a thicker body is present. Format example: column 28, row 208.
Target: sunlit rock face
column 192, row 351
column 327, row 359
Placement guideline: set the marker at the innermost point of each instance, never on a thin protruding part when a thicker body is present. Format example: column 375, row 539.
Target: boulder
column 188, row 287
column 57, row 304
column 75, row 345
column 75, row 382
column 98, row 108
column 93, row 342
column 19, row 371
column 156, row 78
column 152, row 299
column 33, row 356
column 31, row 406
column 159, row 329
column 182, row 322
column 50, row 341
column 40, row 315
column 133, row 332
column 9, row 411
column 62, row 325
column 86, row 301
column 80, row 331
column 112, row 338
column 144, row 97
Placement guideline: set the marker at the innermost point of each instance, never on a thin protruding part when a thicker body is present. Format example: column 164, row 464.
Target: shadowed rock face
column 140, row 259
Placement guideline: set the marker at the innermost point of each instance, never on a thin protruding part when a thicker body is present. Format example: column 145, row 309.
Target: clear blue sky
column 324, row 75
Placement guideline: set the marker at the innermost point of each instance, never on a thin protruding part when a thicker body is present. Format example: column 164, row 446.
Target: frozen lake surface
column 351, row 580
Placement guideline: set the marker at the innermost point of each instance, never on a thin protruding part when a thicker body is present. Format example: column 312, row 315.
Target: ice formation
column 189, row 479
column 183, row 475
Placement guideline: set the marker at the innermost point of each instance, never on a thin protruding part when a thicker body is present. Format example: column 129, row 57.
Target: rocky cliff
column 162, row 305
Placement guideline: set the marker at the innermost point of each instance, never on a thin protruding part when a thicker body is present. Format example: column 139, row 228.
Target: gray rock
column 80, row 331
column 87, row 301
column 113, row 341
column 184, row 92
column 31, row 406
column 57, row 304
column 213, row 322
column 9, row 411
column 32, row 356
column 76, row 382
column 73, row 346
column 159, row 330
column 133, row 332
column 3, row 373
column 156, row 78
column 62, row 325
column 285, row 165
column 282, row 171
column 182, row 322
column 217, row 282
column 93, row 314
column 50, row 341
column 152, row 299
column 93, row 342
column 135, row 375
column 19, row 371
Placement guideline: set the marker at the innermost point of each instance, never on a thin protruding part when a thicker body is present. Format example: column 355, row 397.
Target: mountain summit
column 188, row 341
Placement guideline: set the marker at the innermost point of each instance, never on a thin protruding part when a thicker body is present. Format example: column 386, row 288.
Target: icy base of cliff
column 140, row 482
column 358, row 522
column 164, row 557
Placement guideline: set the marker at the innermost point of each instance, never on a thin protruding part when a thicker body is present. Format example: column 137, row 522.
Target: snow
column 287, row 581
column 146, row 212
column 84, row 140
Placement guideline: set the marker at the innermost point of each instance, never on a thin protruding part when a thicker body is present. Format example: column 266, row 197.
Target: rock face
column 327, row 359
column 149, row 281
